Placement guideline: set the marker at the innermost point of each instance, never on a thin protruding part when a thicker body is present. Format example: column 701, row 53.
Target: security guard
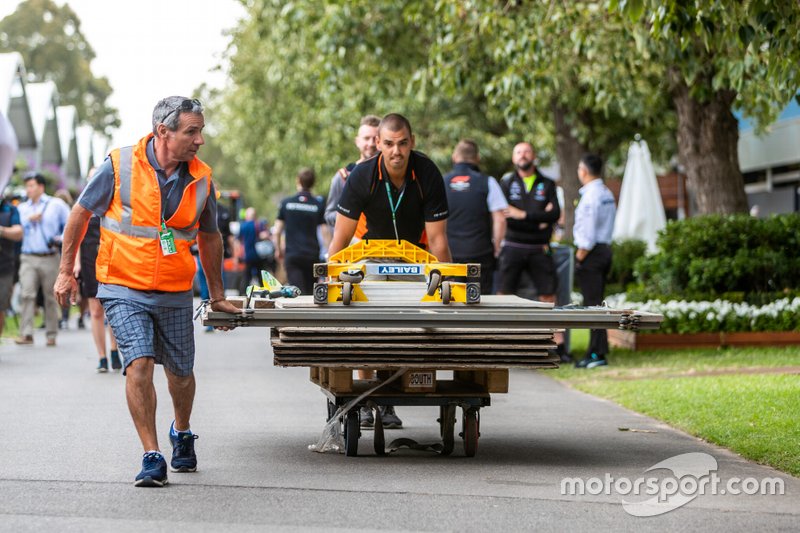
column 594, row 224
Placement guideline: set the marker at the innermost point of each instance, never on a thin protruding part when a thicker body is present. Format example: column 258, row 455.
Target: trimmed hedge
column 625, row 254
column 736, row 257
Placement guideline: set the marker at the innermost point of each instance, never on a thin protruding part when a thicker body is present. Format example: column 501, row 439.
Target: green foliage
column 50, row 41
column 716, row 255
column 625, row 254
column 527, row 57
column 304, row 72
column 749, row 48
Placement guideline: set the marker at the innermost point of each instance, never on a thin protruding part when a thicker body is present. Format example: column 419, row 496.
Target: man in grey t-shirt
column 147, row 292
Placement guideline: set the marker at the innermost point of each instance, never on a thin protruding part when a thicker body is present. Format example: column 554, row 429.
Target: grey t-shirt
column 97, row 196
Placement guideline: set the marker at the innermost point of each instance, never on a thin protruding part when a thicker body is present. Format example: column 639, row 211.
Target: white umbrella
column 640, row 214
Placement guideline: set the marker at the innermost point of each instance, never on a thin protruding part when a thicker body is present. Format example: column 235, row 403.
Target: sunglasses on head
column 186, row 105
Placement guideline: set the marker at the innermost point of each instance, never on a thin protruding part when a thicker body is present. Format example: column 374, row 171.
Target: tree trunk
column 569, row 151
column 708, row 136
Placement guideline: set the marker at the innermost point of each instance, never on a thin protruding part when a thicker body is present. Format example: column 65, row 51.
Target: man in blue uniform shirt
column 594, row 224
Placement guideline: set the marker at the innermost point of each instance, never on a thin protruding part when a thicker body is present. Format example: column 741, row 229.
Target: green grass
column 722, row 396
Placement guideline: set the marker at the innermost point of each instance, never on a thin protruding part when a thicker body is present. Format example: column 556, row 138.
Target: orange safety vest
column 130, row 251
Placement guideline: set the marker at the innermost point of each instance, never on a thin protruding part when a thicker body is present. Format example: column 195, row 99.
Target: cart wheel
column 331, row 409
column 347, row 292
column 447, row 424
column 379, row 439
column 352, row 431
column 471, row 424
column 433, row 282
column 446, row 292
column 352, row 277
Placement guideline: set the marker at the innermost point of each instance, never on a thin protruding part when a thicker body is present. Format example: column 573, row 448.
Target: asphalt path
column 69, row 453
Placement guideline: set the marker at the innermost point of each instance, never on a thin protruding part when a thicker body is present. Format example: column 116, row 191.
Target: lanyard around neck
column 393, row 207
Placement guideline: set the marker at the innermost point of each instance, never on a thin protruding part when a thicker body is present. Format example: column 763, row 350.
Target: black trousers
column 487, row 263
column 300, row 271
column 591, row 276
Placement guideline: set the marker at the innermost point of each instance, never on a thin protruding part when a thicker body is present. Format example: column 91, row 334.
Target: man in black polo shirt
column 532, row 212
column 300, row 215
column 365, row 142
column 401, row 194
column 477, row 222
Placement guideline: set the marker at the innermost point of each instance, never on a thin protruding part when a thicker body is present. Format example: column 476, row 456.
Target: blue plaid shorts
column 163, row 333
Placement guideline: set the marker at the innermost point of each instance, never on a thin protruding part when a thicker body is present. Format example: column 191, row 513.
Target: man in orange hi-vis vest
column 154, row 199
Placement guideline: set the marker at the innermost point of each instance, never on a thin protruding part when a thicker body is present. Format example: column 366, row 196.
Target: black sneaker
column 102, row 366
column 183, row 456
column 116, row 364
column 592, row 361
column 561, row 353
column 367, row 419
column 81, row 324
column 389, row 418
column 154, row 471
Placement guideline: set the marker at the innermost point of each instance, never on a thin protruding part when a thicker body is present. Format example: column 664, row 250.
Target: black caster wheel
column 379, row 438
column 471, row 426
column 446, row 292
column 447, row 423
column 352, row 277
column 347, row 292
column 433, row 282
column 352, row 431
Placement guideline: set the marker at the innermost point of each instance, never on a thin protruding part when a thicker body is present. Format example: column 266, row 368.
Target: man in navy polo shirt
column 300, row 216
column 401, row 194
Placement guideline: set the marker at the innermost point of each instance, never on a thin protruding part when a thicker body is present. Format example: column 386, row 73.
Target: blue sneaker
column 592, row 361
column 154, row 471
column 183, row 456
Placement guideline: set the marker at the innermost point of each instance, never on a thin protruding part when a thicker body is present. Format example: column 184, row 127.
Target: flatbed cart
column 407, row 331
column 448, row 397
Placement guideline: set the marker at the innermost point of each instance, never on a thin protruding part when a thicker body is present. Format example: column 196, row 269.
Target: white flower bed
column 682, row 316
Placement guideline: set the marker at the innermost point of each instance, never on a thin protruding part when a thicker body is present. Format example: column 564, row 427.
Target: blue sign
column 394, row 270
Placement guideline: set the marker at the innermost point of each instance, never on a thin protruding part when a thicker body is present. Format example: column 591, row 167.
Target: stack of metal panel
column 498, row 332
column 441, row 348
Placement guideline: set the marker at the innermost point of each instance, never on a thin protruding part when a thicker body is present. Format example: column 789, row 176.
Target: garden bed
column 633, row 340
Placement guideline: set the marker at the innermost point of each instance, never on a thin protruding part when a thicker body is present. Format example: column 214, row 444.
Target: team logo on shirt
column 460, row 183
column 540, row 194
column 515, row 191
column 308, row 208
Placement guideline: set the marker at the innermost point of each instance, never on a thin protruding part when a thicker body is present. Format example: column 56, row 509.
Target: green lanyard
column 394, row 206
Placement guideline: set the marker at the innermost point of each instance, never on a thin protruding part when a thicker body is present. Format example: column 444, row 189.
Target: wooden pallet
column 340, row 380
